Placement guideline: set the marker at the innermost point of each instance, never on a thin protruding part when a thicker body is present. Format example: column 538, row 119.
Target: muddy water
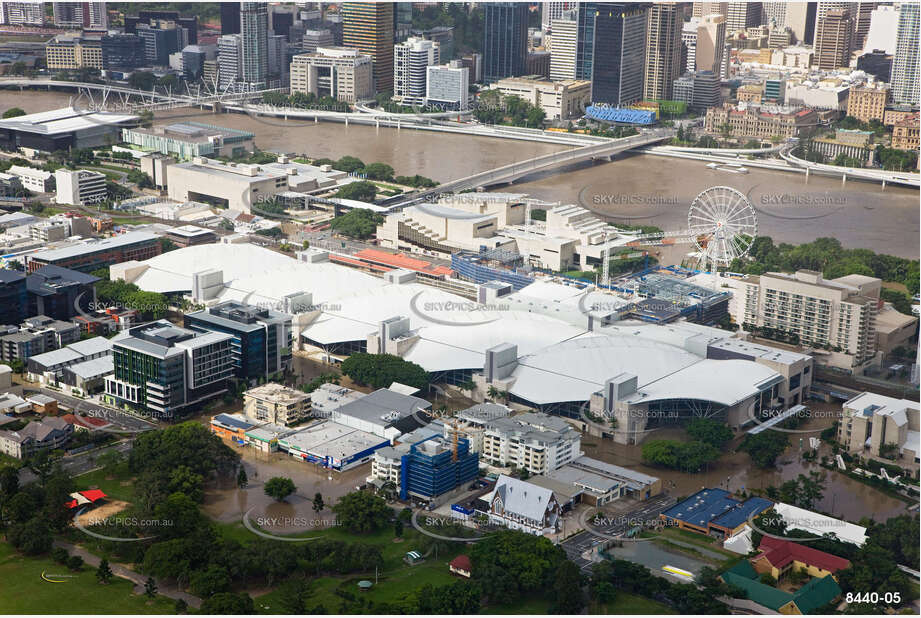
column 227, row 503
column 637, row 189
column 843, row 496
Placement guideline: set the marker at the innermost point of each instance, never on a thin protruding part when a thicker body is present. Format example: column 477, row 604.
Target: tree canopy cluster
column 357, row 223
column 495, row 108
column 764, row 448
column 827, row 256
column 689, row 456
column 363, row 191
column 382, row 370
column 360, row 511
column 611, row 576
column 150, row 305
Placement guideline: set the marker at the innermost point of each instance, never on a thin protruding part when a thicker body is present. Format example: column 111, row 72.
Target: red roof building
column 461, row 566
column 779, row 556
column 90, row 423
column 89, row 496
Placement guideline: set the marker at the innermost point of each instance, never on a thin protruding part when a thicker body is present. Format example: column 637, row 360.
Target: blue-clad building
column 430, row 469
column 715, row 512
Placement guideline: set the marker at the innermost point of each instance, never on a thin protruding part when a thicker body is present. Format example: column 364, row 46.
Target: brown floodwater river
column 636, row 189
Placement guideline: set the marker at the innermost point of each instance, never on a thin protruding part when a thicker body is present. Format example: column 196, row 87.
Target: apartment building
column 559, row 100
column 343, row 73
column 868, row 102
column 534, row 441
column 882, row 427
column 276, row 404
column 836, row 316
column 45, row 434
column 411, row 59
column 162, row 369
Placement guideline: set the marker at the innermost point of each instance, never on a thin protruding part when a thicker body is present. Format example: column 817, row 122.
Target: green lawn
column 97, row 479
column 25, row 592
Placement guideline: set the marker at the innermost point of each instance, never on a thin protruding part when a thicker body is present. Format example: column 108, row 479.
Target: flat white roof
column 64, row 120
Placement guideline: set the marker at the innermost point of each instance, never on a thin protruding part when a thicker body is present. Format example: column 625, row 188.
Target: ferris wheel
column 723, row 224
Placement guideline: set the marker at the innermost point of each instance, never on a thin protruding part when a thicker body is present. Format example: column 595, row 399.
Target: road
column 82, row 463
column 578, row 544
column 124, row 422
column 119, row 570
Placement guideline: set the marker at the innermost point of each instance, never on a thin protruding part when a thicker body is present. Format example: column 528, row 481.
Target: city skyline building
column 905, row 61
column 368, row 27
column 505, row 40
column 663, row 49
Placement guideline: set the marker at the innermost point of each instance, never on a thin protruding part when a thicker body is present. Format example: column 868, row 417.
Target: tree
column 180, row 606
column 398, row 528
column 292, row 596
column 764, row 448
column 508, row 564
column 150, row 587
column 103, row 572
column 75, row 563
column 379, row 171
column 209, row 582
column 318, row 504
column 567, row 589
column 362, row 191
column 709, row 431
column 349, row 164
column 359, row 223
column 14, row 112
column 279, row 487
column 382, row 370
column 228, row 603
column 242, row 479
column 689, row 456
column 31, row 538
column 362, row 512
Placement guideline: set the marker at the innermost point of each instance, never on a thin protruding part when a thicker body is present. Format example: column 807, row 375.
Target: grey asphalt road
column 576, row 545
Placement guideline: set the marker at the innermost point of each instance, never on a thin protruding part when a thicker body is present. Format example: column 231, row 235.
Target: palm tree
column 493, row 393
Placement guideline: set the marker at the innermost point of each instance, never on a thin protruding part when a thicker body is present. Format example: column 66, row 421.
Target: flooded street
column 636, row 189
column 843, row 497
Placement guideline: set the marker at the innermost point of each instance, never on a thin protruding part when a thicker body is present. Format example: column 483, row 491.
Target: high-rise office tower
column 368, row 26
column 229, row 61
column 619, row 50
column 550, row 11
column 699, row 9
column 833, row 40
column 742, row 15
column 663, row 49
column 505, row 40
column 800, row 18
column 861, row 12
column 230, row 18
column 774, row 12
column 411, row 59
column 563, row 48
column 905, row 61
column 254, row 29
column 711, row 43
